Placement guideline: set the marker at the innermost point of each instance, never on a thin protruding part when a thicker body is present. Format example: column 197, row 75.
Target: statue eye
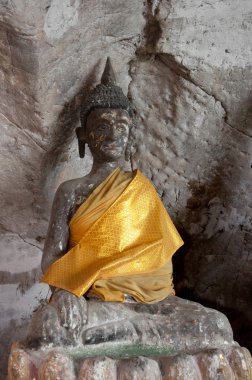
column 122, row 127
column 101, row 127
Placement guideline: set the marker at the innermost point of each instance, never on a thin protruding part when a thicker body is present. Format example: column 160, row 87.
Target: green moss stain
column 120, row 351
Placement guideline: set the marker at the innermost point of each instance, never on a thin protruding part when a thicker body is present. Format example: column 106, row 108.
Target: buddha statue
column 108, row 259
column 109, row 236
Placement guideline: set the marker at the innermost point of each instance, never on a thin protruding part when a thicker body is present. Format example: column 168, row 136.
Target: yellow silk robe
column 121, row 242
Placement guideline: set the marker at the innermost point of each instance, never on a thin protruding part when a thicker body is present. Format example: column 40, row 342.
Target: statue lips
column 111, row 145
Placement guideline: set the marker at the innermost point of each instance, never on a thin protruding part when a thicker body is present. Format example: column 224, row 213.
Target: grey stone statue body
column 70, row 320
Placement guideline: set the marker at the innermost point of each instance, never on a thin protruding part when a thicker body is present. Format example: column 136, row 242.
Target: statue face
column 107, row 132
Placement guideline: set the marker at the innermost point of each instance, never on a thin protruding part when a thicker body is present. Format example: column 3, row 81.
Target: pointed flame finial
column 108, row 77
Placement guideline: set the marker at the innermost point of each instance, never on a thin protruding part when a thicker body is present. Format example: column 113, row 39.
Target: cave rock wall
column 187, row 67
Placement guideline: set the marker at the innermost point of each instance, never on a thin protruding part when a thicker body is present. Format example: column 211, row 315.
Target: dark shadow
column 68, row 120
column 215, row 271
column 240, row 322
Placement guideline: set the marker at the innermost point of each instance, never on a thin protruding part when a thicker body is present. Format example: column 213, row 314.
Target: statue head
column 106, row 118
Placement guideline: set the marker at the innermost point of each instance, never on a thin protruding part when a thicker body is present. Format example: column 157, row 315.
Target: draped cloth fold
column 121, row 242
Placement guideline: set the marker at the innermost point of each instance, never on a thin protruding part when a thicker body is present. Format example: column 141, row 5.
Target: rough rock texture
column 187, row 66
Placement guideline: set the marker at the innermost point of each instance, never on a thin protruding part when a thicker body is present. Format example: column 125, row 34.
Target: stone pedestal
column 235, row 363
column 172, row 340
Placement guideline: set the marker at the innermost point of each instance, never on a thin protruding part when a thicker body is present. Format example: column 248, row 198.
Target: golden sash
column 121, row 242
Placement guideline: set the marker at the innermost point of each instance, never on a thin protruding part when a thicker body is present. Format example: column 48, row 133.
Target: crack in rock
column 170, row 61
column 10, row 232
column 23, row 131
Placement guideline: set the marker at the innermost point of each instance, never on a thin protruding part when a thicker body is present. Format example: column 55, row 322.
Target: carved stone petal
column 140, row 368
column 56, row 366
column 98, row 368
column 214, row 365
column 241, row 363
column 180, row 367
column 20, row 366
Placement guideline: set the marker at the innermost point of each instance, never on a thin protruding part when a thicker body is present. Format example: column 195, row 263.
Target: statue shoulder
column 69, row 189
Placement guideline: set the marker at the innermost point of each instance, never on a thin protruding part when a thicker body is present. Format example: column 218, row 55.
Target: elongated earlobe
column 80, row 133
column 128, row 153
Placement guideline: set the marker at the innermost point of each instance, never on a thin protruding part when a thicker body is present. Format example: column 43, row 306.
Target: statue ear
column 128, row 146
column 128, row 153
column 80, row 133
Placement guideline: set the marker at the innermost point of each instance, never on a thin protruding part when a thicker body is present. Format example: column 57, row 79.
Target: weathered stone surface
column 180, row 368
column 174, row 324
column 187, row 65
column 59, row 322
column 98, row 368
column 241, row 363
column 207, row 365
column 215, row 365
column 56, row 366
column 20, row 366
column 138, row 369
column 169, row 327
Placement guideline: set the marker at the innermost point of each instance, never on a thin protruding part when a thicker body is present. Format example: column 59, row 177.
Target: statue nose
column 114, row 130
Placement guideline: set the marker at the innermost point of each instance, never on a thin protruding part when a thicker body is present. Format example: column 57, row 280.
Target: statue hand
column 72, row 312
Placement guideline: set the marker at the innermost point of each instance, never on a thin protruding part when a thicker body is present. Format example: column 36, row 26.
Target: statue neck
column 105, row 168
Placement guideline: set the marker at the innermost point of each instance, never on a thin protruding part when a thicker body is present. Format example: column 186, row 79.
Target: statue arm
column 58, row 232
